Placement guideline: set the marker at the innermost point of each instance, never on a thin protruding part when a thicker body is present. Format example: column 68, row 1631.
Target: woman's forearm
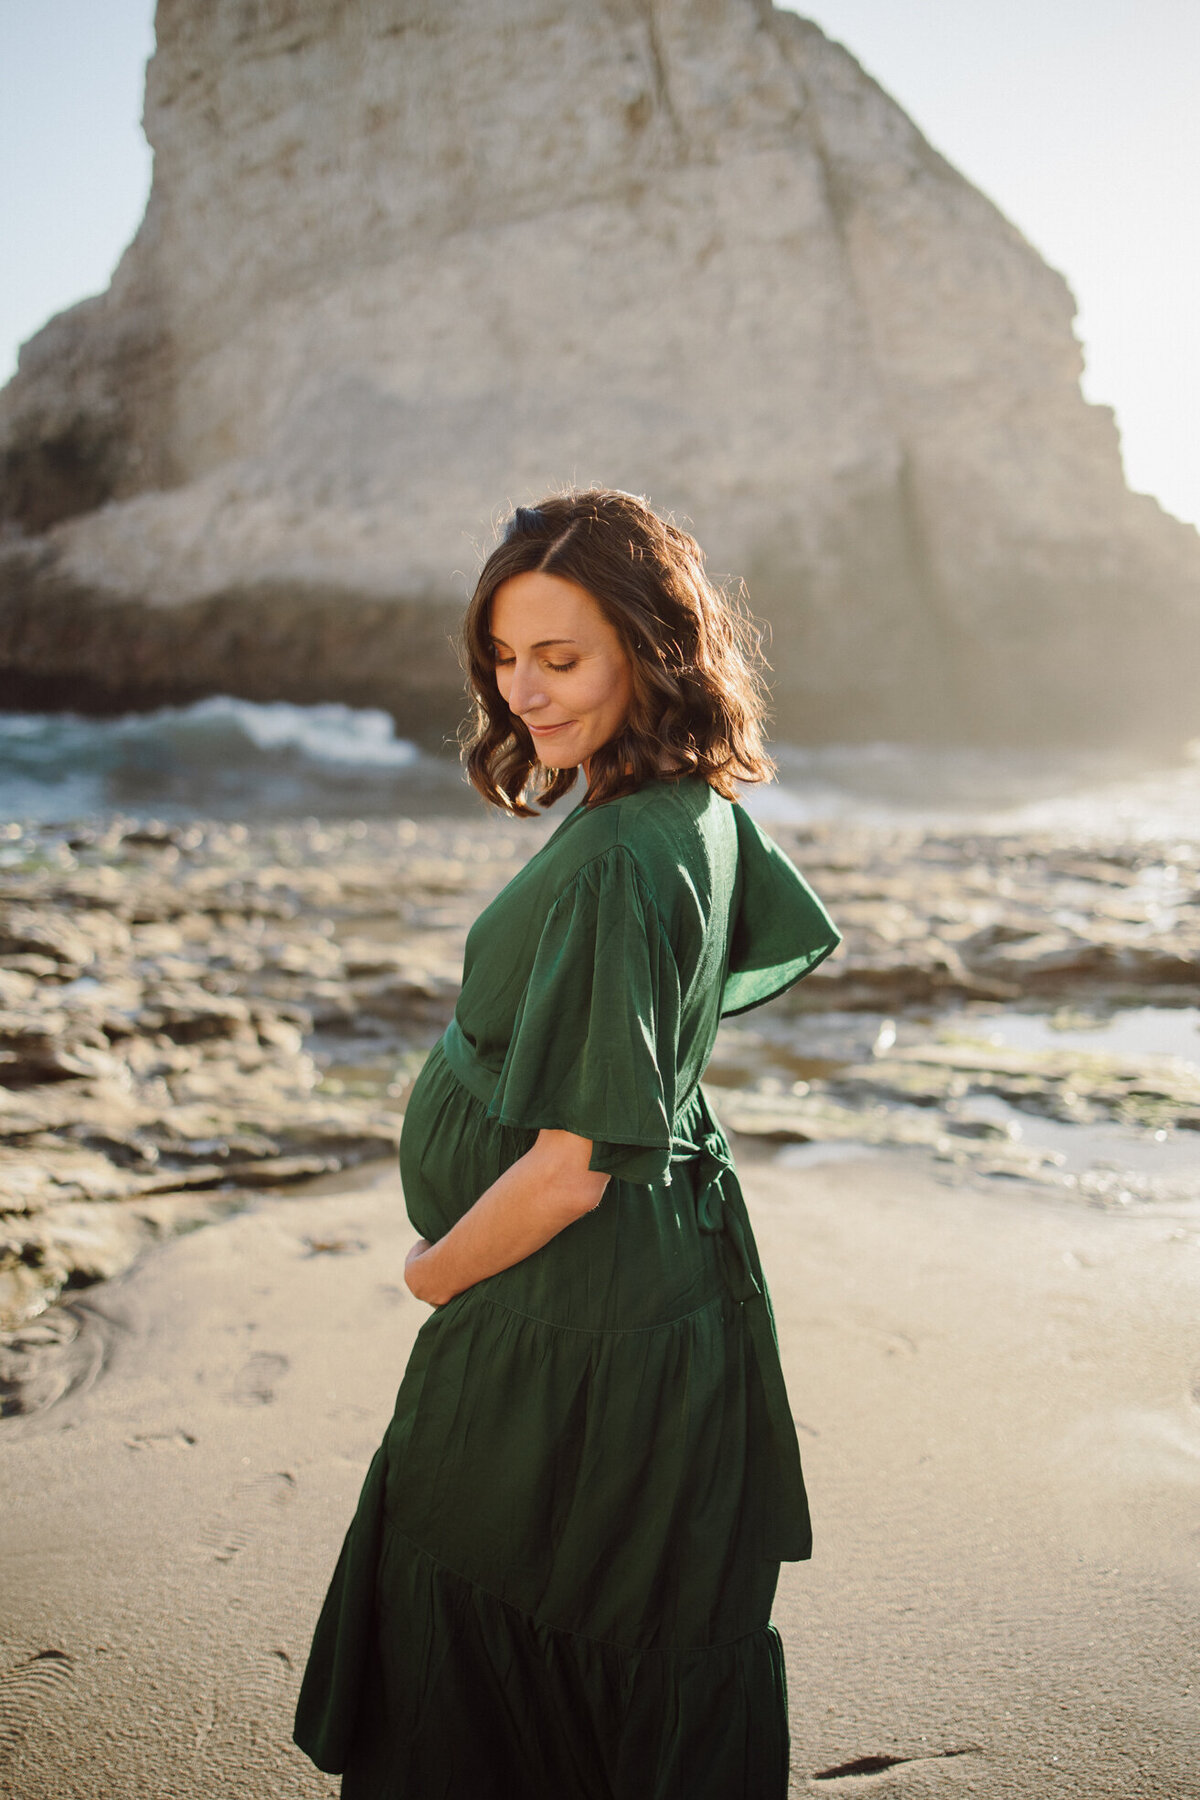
column 538, row 1196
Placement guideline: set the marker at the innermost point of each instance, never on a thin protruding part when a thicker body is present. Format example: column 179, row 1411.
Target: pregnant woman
column 558, row 1581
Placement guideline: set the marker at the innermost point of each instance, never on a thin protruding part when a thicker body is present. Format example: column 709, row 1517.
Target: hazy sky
column 1080, row 118
column 74, row 166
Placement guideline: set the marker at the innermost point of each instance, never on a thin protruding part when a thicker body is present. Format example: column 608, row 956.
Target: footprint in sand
column 160, row 1440
column 255, row 1382
column 858, row 1773
column 253, row 1504
column 27, row 1690
column 887, row 1338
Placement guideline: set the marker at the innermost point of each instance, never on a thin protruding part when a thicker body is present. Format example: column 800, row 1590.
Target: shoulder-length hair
column 698, row 695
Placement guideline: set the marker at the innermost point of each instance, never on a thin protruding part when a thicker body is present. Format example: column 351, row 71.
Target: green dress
column 559, row 1577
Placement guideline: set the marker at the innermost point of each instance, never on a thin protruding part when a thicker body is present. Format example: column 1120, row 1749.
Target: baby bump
column 450, row 1151
column 641, row 1258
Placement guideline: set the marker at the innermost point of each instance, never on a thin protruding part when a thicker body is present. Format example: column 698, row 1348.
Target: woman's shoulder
column 660, row 828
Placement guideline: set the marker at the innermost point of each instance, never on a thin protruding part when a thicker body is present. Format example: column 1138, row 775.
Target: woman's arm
column 538, row 1196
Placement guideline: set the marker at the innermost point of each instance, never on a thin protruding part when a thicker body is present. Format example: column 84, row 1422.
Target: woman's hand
column 536, row 1197
column 417, row 1279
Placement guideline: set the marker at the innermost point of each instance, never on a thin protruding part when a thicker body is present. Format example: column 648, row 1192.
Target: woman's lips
column 545, row 730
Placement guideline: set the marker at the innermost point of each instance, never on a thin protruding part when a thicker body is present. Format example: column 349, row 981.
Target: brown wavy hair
column 695, row 654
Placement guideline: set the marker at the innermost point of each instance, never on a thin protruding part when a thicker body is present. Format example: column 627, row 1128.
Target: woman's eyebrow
column 542, row 643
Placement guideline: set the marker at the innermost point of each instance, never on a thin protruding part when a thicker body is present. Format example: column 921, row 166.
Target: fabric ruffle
column 780, row 930
column 476, row 1698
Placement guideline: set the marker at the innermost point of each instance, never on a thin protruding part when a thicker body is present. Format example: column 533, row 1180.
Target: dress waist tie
column 720, row 1209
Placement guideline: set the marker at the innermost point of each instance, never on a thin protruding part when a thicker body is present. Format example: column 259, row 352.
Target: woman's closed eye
column 559, row 668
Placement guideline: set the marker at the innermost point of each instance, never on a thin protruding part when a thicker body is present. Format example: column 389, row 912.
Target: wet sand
column 995, row 1392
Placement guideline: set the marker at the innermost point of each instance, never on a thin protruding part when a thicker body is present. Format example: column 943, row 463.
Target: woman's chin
column 557, row 759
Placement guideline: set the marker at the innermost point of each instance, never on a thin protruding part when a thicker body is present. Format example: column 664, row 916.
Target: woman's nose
column 525, row 694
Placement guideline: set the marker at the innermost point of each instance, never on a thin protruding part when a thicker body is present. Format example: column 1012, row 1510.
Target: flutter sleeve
column 779, row 929
column 595, row 1043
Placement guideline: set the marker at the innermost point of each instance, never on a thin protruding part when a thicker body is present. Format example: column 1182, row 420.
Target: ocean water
column 1081, row 795
column 220, row 758
column 227, row 758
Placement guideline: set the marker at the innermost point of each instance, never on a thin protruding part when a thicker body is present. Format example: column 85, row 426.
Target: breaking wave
column 227, row 758
column 220, row 757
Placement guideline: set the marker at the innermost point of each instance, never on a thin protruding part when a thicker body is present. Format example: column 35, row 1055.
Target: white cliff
column 405, row 263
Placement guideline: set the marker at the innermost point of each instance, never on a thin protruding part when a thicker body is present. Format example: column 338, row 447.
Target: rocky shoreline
column 192, row 1014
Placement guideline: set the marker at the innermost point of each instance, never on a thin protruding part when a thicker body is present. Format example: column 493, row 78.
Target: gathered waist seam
column 565, row 1630
column 602, row 1330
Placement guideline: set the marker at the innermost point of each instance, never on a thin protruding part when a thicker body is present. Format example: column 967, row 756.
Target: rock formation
column 404, row 264
column 189, row 1015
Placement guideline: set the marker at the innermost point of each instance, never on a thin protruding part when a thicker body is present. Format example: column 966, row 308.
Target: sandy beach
column 995, row 1390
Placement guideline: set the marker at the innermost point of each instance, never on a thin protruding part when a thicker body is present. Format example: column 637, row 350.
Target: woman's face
column 560, row 666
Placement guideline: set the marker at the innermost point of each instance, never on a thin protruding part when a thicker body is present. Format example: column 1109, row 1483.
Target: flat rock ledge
column 191, row 1014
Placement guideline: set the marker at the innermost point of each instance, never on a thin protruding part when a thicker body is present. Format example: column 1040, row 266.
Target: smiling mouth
column 545, row 730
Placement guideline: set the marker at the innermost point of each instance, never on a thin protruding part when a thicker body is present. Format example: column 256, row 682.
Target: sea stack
column 405, row 263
